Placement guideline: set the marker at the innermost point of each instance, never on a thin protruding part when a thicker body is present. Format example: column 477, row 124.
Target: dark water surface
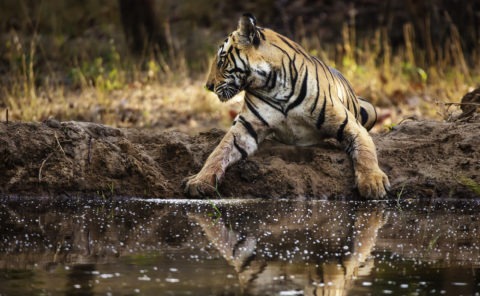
column 237, row 247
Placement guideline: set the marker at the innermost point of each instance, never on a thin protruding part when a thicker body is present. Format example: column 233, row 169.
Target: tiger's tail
column 368, row 114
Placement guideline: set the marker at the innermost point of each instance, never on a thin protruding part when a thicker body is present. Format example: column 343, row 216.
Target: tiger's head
column 242, row 61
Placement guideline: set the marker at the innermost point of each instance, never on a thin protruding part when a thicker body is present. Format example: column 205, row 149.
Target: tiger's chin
column 227, row 94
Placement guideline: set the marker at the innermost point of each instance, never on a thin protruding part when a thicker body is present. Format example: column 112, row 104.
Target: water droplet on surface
column 172, row 280
column 459, row 284
column 291, row 292
column 144, row 278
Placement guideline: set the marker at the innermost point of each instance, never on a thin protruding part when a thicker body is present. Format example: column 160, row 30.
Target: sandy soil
column 423, row 159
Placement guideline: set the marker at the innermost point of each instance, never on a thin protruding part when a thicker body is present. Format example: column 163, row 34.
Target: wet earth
column 68, row 246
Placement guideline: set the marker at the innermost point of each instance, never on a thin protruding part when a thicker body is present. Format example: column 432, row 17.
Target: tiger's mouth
column 226, row 91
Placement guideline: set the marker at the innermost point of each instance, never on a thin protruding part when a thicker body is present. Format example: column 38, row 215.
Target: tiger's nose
column 209, row 86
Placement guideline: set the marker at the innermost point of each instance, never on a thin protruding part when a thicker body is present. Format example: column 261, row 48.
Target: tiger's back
column 364, row 111
column 301, row 93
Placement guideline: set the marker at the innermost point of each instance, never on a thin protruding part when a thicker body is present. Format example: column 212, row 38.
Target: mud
column 423, row 159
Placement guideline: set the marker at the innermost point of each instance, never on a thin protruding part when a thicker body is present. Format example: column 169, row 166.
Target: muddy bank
column 422, row 159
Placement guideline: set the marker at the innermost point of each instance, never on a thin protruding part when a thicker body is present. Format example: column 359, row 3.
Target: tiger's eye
column 221, row 61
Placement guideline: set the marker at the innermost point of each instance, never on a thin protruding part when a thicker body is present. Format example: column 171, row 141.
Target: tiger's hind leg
column 370, row 180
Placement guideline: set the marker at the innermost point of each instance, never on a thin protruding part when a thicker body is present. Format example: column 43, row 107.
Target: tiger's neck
column 283, row 88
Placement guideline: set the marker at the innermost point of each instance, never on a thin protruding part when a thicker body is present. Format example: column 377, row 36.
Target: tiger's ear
column 247, row 28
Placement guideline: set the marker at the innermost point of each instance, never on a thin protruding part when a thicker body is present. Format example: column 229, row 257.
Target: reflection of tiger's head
column 244, row 61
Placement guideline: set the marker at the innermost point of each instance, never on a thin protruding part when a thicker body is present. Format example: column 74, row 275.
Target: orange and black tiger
column 291, row 95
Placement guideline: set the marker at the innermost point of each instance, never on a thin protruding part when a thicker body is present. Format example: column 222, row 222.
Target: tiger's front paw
column 199, row 185
column 372, row 184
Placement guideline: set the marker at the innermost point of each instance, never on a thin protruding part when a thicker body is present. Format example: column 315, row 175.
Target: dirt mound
column 422, row 159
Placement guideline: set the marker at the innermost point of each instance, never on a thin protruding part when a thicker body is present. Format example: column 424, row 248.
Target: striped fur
column 259, row 254
column 294, row 97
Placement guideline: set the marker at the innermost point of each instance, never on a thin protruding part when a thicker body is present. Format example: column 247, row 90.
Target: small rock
column 53, row 123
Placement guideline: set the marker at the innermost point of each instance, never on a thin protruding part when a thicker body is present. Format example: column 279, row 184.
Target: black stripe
column 355, row 107
column 363, row 115
column 231, row 56
column 237, row 245
column 330, row 93
column 323, row 67
column 321, row 116
column 274, row 81
column 346, row 83
column 314, row 105
column 295, row 47
column 229, row 50
column 351, row 145
column 301, row 96
column 262, row 35
column 235, row 70
column 287, row 42
column 282, row 50
column 248, row 261
column 331, row 74
column 332, row 82
column 254, row 276
column 241, row 60
column 341, row 129
column 363, row 99
column 327, row 71
column 240, row 149
column 351, row 97
column 234, row 57
column 249, row 128
column 272, row 103
column 261, row 73
column 255, row 112
column 293, row 77
column 268, row 79
column 284, row 72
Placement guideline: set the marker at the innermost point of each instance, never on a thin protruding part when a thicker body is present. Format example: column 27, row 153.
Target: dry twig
column 58, row 143
column 41, row 167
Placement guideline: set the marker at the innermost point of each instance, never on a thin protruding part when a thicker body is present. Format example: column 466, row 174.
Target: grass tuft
column 470, row 184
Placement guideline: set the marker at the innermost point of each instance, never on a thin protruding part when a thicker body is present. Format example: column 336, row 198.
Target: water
column 237, row 247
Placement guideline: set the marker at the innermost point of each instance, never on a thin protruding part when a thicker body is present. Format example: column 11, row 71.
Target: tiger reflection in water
column 321, row 255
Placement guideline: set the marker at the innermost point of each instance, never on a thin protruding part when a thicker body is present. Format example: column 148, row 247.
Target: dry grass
column 402, row 84
column 184, row 106
column 165, row 92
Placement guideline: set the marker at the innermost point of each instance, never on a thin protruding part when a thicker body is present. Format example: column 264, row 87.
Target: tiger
column 321, row 261
column 288, row 95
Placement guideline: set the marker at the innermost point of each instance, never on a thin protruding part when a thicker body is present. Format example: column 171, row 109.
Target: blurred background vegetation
column 143, row 62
